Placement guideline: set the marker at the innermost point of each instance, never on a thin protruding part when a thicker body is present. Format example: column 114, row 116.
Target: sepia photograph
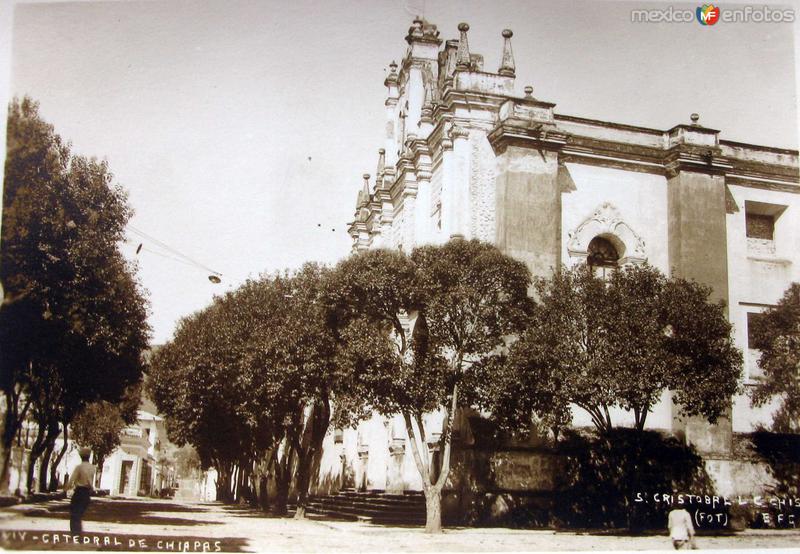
column 399, row 276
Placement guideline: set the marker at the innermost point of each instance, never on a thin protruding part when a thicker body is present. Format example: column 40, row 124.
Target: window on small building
column 760, row 226
column 603, row 257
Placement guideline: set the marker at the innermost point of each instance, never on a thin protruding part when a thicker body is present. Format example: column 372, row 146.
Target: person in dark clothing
column 81, row 480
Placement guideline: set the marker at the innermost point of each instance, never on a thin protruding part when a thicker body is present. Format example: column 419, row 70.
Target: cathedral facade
column 466, row 155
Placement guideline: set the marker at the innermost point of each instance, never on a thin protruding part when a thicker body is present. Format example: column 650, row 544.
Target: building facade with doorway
column 470, row 153
column 135, row 467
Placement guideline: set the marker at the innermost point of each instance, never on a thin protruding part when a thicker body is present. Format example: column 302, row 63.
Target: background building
column 135, row 468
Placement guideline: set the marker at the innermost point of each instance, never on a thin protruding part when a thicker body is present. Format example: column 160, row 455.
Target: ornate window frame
column 606, row 222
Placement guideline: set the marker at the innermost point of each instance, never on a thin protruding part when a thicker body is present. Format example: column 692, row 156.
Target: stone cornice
column 763, row 181
column 773, row 149
column 471, row 100
column 700, row 159
column 643, row 149
column 660, row 159
column 609, row 124
column 540, row 138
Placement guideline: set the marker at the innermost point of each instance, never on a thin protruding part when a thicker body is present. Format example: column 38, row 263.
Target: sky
column 241, row 129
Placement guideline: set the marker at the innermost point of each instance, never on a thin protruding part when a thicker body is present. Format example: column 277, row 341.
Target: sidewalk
column 161, row 525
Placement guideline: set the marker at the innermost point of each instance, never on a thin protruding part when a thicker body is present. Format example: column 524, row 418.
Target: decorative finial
column 391, row 78
column 528, row 91
column 507, row 68
column 462, row 56
column 381, row 162
column 363, row 194
column 695, row 117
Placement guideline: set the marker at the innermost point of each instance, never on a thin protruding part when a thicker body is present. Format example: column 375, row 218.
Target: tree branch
column 423, row 470
column 448, row 440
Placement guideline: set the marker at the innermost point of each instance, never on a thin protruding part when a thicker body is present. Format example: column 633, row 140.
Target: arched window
column 603, row 257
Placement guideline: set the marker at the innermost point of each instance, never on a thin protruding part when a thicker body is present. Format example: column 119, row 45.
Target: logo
column 707, row 14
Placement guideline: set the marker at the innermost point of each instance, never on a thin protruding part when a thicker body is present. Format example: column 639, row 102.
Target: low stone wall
column 525, row 486
column 506, row 487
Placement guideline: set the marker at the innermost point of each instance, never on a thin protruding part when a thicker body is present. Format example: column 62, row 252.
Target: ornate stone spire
column 462, row 56
column 391, row 78
column 365, row 189
column 507, row 67
column 422, row 31
column 415, row 31
column 381, row 163
column 363, row 194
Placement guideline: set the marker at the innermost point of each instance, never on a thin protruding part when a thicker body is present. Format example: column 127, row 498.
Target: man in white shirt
column 82, row 480
column 681, row 529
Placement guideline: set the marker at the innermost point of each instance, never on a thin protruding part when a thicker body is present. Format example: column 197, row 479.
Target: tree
column 194, row 384
column 250, row 381
column 301, row 344
column 187, row 462
column 100, row 424
column 777, row 336
column 601, row 344
column 73, row 326
column 413, row 327
column 98, row 427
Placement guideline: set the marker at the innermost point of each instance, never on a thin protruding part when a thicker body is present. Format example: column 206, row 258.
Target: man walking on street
column 681, row 530
column 81, row 480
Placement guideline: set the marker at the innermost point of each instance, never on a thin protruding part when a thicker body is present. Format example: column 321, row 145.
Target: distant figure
column 81, row 480
column 681, row 530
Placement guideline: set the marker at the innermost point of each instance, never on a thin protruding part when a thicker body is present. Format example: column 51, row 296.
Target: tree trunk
column 49, row 444
column 219, row 483
column 225, row 495
column 12, row 422
column 5, row 468
column 54, row 484
column 303, row 479
column 433, row 510
column 36, row 451
column 98, row 476
column 263, row 495
column 319, row 420
column 44, row 466
column 279, row 507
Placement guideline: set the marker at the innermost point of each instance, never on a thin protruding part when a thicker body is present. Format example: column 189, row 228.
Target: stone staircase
column 377, row 507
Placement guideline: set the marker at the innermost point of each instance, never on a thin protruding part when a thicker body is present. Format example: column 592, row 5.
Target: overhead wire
column 183, row 257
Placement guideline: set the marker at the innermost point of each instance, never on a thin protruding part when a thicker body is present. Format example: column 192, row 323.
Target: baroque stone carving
column 607, row 222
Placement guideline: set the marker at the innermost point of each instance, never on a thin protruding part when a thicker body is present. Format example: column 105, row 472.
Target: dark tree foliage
column 187, row 462
column 609, row 481
column 600, row 344
column 73, row 320
column 99, row 426
column 777, row 335
column 191, row 383
column 413, row 327
column 250, row 382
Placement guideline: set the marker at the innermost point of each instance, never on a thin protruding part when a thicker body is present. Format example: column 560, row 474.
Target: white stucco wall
column 641, row 201
column 757, row 280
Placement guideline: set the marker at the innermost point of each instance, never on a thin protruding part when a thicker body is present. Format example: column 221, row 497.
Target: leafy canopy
column 620, row 342
column 777, row 336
